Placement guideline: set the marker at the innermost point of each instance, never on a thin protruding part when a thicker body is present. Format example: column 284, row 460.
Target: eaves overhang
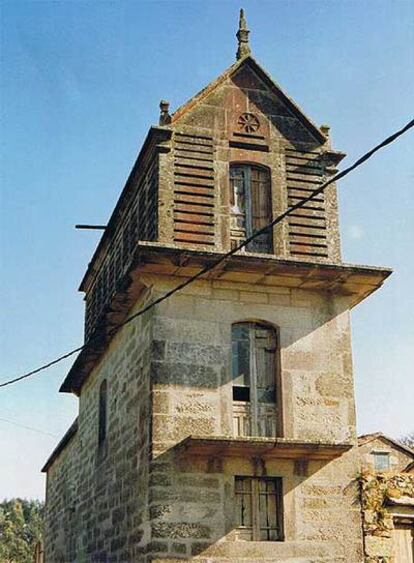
column 354, row 281
column 265, row 448
column 70, row 433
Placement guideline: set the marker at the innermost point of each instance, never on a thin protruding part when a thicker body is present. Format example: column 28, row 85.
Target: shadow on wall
column 192, row 371
column 200, row 506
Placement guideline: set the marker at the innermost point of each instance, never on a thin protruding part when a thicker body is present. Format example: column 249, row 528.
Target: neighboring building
column 381, row 453
column 387, row 494
column 220, row 424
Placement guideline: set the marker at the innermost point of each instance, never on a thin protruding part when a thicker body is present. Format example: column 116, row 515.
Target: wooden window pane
column 238, row 190
column 264, row 520
column 261, row 209
column 381, row 461
column 265, row 349
column 241, row 355
column 250, row 198
column 243, row 502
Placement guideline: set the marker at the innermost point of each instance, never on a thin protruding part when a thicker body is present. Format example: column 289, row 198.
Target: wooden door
column 403, row 543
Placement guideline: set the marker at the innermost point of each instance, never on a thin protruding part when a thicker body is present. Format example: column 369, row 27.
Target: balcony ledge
column 267, row 448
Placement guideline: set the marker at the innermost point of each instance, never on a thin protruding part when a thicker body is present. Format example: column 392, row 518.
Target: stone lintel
column 266, row 448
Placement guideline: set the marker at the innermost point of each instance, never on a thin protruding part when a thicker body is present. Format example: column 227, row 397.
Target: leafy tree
column 20, row 529
column 408, row 440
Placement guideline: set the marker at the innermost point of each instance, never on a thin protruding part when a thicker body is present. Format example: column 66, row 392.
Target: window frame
column 248, row 213
column 253, row 377
column 255, row 517
column 381, row 455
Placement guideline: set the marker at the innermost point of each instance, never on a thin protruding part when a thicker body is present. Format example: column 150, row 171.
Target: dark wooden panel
column 200, row 238
column 196, row 199
column 197, row 190
column 193, row 189
column 201, row 219
column 307, row 224
column 194, row 228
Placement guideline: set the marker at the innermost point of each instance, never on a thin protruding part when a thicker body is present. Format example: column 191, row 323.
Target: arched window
column 250, row 196
column 102, row 421
column 254, row 366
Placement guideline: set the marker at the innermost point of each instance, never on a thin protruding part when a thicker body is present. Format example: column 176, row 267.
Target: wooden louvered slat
column 301, row 193
column 197, row 190
column 179, row 179
column 303, row 178
column 307, row 239
column 315, row 203
column 194, row 227
column 196, row 199
column 193, row 189
column 194, row 238
column 196, row 167
column 305, row 211
column 196, row 218
column 307, row 224
column 193, row 161
column 201, row 173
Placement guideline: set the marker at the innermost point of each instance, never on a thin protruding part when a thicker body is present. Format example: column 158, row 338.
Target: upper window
column 259, row 508
column 250, row 196
column 381, row 461
column 102, row 422
column 254, row 347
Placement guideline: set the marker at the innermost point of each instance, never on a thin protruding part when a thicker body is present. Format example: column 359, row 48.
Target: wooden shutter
column 194, row 191
column 259, row 508
column 307, row 224
column 265, row 349
column 260, row 209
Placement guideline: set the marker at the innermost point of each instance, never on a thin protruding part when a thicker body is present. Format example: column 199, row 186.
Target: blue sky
column 80, row 85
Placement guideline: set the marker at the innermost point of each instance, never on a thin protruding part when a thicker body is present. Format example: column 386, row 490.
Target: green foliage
column 376, row 489
column 20, row 529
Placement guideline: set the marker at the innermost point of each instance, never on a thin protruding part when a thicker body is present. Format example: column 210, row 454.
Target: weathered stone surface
column 169, row 373
column 180, row 530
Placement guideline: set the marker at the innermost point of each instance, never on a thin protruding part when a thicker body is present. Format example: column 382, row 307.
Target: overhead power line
column 224, row 257
column 27, row 427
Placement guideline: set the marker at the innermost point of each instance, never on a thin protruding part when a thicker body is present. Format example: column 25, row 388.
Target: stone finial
column 325, row 130
column 243, row 37
column 165, row 117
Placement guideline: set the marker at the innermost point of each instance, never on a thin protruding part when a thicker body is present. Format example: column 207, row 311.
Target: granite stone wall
column 169, row 376
column 97, row 496
column 191, row 499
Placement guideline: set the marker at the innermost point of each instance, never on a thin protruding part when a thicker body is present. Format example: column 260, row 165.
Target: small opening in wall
column 241, row 393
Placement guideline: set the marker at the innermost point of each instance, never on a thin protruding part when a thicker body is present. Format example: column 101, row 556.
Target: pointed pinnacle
column 242, row 20
column 243, row 37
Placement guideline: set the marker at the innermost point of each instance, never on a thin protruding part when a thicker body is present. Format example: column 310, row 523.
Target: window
column 259, row 508
column 254, row 347
column 251, row 206
column 381, row 461
column 102, row 422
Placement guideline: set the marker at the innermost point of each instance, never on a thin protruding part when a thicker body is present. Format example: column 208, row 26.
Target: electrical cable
column 224, row 257
column 28, row 427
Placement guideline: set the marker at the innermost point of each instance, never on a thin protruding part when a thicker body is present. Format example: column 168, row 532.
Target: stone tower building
column 219, row 425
